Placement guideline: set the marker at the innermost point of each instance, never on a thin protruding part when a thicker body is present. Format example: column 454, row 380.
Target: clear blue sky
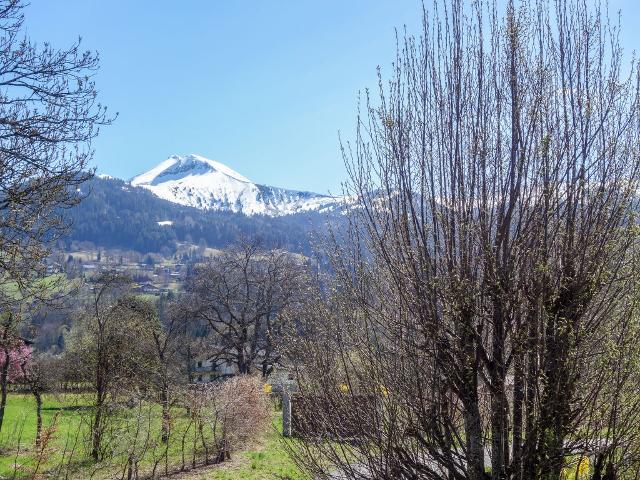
column 263, row 86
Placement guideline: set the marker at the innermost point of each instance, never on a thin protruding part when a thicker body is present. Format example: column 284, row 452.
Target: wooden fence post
column 286, row 413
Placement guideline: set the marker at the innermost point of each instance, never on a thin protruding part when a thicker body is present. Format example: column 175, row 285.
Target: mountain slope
column 115, row 214
column 198, row 182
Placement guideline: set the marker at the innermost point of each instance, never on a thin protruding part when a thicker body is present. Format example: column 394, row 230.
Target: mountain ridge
column 116, row 214
column 196, row 181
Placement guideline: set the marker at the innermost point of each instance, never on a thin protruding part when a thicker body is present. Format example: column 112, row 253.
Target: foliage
column 18, row 355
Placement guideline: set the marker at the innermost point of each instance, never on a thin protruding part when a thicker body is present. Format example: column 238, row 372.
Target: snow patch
column 196, row 181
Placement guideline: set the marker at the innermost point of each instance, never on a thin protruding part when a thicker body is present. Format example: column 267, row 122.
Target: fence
column 62, row 387
column 352, row 417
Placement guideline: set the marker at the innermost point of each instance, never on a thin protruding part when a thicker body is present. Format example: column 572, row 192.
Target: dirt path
column 208, row 472
column 265, row 460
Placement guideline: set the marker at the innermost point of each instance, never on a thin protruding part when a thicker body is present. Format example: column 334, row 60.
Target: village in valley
column 152, row 273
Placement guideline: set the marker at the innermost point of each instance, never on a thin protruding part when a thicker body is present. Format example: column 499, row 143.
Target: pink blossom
column 18, row 355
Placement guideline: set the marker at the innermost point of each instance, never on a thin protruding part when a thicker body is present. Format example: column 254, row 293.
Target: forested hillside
column 114, row 214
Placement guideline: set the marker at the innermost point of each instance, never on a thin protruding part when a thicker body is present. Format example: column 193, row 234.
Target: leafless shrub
column 242, row 411
column 220, row 419
column 45, row 447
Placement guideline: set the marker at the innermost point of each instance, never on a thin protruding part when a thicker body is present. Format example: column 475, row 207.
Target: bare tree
column 111, row 347
column 492, row 253
column 48, row 117
column 168, row 339
column 239, row 294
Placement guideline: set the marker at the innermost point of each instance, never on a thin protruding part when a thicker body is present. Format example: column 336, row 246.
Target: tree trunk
column 554, row 410
column 518, row 400
column 4, row 379
column 243, row 367
column 529, row 453
column 38, row 397
column 96, row 434
column 164, row 400
column 473, row 431
column 96, row 428
column 471, row 415
column 499, row 412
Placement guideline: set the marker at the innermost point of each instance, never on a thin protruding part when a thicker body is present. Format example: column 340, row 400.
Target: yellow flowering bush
column 581, row 467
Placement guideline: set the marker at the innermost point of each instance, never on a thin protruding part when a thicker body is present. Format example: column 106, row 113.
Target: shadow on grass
column 68, row 408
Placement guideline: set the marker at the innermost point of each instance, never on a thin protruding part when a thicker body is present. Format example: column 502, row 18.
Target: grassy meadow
column 66, row 450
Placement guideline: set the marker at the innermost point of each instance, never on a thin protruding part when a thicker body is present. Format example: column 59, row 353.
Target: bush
column 243, row 412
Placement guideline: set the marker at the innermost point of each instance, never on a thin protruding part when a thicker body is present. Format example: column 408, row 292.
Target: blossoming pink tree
column 18, row 356
column 14, row 354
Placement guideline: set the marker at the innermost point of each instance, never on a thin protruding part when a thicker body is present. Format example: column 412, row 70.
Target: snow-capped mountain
column 195, row 181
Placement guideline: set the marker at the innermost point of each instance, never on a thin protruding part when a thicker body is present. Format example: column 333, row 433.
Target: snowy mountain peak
column 199, row 182
column 177, row 167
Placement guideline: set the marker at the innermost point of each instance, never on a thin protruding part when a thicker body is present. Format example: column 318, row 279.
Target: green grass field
column 67, row 454
column 52, row 284
column 17, row 438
